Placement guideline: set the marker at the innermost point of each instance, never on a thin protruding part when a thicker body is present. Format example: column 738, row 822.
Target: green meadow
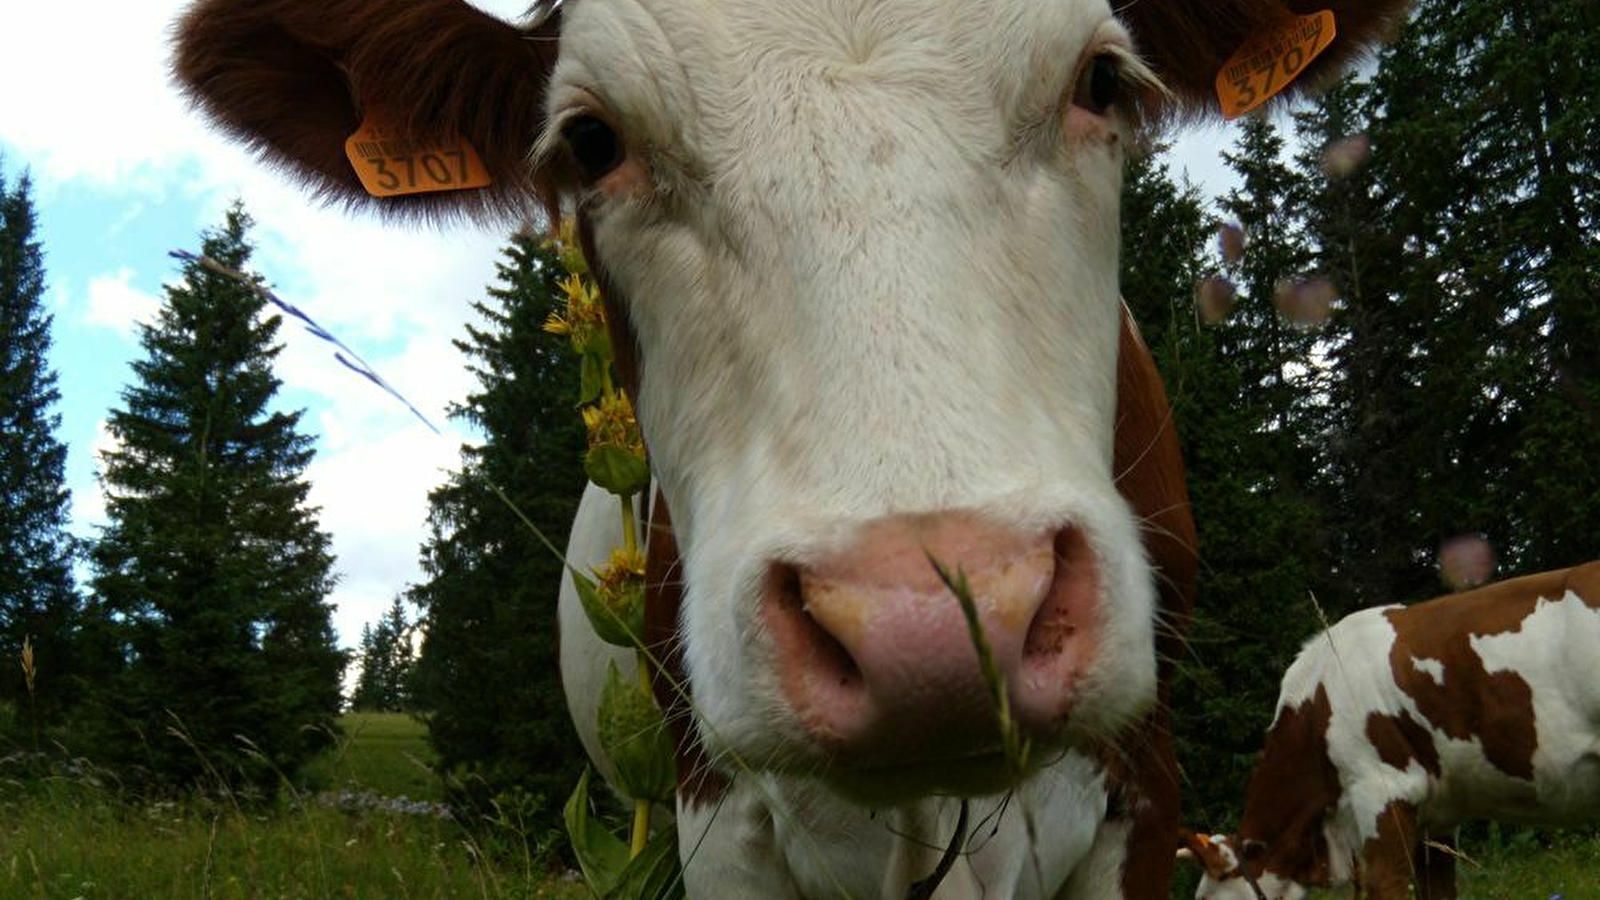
column 68, row 837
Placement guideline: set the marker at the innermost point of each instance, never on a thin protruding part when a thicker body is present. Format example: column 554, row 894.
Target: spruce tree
column 39, row 604
column 1253, row 521
column 488, row 671
column 1371, row 355
column 386, row 664
column 1466, row 371
column 212, row 573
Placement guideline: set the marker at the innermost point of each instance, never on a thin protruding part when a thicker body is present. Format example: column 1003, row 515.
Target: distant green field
column 382, row 753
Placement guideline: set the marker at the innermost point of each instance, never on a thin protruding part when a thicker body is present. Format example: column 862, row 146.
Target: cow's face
column 869, row 254
column 1236, row 870
column 867, row 249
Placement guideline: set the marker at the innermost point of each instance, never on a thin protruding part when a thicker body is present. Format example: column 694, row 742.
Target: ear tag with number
column 1268, row 62
column 390, row 165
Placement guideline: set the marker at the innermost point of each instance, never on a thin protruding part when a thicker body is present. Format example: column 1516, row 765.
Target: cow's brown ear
column 1188, row 844
column 1187, row 43
column 295, row 79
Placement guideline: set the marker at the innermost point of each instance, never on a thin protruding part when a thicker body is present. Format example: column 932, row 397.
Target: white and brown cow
column 1400, row 723
column 861, row 261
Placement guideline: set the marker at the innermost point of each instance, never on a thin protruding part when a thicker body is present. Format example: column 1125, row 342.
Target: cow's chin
column 880, row 787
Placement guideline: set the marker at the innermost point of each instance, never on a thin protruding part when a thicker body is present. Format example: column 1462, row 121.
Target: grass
column 1512, row 864
column 67, row 838
column 74, row 842
column 383, row 753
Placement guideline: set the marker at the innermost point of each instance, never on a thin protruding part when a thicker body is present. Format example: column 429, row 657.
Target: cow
column 860, row 262
column 1401, row 722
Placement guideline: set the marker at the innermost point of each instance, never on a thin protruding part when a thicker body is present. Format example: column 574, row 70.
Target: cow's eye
column 594, row 146
column 1099, row 85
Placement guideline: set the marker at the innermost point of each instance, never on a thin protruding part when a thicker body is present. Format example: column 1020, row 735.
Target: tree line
column 1379, row 343
column 1380, row 349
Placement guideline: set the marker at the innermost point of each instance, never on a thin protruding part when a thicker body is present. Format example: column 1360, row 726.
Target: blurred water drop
column 1465, row 561
column 1230, row 242
column 1213, row 296
column 1305, row 302
column 1346, row 155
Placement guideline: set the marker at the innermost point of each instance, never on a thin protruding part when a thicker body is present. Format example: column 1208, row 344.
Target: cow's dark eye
column 1100, row 85
column 594, row 146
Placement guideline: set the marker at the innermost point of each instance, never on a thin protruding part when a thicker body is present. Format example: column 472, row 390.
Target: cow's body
column 860, row 259
column 1400, row 723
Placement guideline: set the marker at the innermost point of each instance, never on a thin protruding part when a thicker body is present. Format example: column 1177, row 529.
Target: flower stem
column 630, row 541
column 641, row 827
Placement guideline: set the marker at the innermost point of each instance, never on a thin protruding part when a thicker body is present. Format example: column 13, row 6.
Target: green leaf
column 602, row 856
column 620, row 626
column 616, row 469
column 655, row 874
column 593, row 378
column 634, row 735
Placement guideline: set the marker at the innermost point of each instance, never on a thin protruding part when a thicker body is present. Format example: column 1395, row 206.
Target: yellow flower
column 611, row 421
column 557, row 325
column 568, row 248
column 624, row 566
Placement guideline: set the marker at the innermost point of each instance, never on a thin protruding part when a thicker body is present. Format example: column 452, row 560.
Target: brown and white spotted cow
column 1399, row 723
column 861, row 261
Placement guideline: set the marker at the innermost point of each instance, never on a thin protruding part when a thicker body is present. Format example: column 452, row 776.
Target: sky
column 123, row 173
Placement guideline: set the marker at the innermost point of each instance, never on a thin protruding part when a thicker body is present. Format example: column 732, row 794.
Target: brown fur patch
column 1389, row 858
column 698, row 783
column 1290, row 822
column 1401, row 739
column 1149, row 471
column 1494, row 708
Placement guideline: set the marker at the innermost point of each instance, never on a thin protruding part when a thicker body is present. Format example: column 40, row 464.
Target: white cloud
column 116, row 304
column 88, row 500
column 373, row 495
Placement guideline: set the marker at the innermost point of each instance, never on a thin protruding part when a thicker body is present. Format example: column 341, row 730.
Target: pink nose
column 875, row 654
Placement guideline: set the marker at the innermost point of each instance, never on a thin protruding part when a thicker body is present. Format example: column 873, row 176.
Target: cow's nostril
column 827, row 660
column 1072, row 590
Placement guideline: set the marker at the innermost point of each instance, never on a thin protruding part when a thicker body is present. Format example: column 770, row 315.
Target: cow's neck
column 1292, row 824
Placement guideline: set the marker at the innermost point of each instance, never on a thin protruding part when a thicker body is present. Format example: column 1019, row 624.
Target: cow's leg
column 1390, row 860
column 1436, row 871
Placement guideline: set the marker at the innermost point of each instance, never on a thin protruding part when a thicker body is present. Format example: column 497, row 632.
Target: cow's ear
column 1253, row 851
column 1188, row 845
column 295, row 79
column 1187, row 43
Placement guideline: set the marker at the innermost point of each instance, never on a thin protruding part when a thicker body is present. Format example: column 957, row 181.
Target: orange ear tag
column 390, row 165
column 1269, row 61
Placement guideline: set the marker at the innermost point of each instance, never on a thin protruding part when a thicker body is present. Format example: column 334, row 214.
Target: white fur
column 872, row 271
